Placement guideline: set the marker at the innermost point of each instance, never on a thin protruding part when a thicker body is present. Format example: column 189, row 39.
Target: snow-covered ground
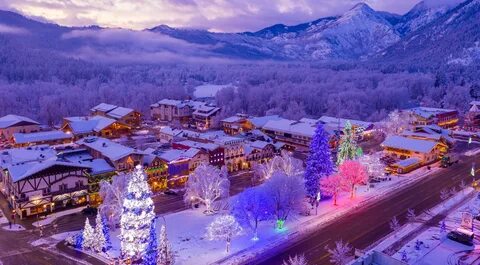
column 435, row 247
column 15, row 227
column 208, row 90
column 52, row 217
column 186, row 229
column 53, row 240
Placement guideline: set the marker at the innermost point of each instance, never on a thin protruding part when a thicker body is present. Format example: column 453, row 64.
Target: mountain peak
column 362, row 7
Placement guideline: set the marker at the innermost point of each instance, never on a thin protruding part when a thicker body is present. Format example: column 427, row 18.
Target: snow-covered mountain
column 361, row 33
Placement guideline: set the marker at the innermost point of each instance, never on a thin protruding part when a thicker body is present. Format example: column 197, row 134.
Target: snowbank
column 208, row 90
column 52, row 217
column 15, row 227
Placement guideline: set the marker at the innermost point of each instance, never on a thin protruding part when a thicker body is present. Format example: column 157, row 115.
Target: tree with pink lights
column 352, row 173
column 331, row 186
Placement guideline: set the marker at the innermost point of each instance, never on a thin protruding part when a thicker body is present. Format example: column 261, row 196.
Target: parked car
column 170, row 192
column 461, row 237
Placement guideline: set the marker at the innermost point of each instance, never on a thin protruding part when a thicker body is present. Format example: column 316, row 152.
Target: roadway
column 363, row 227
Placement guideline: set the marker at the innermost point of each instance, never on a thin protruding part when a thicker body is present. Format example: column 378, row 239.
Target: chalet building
column 259, row 122
column 259, row 152
column 425, row 151
column 233, row 152
column 34, row 181
column 178, row 166
column 168, row 135
column 11, row 124
column 100, row 126
column 156, row 169
column 186, row 112
column 203, row 117
column 432, row 133
column 122, row 158
column 472, row 118
column 214, row 151
column 363, row 129
column 237, row 124
column 123, row 115
column 100, row 170
column 296, row 135
column 445, row 118
column 40, row 138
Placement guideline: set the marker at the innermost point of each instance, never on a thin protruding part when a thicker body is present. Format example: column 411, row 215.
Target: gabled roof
column 404, row 143
column 12, row 120
column 22, row 171
column 408, row 162
column 291, row 127
column 427, row 112
column 82, row 157
column 334, row 122
column 235, row 118
column 112, row 150
column 259, row 122
column 119, row 112
column 89, row 124
column 104, row 107
column 23, row 138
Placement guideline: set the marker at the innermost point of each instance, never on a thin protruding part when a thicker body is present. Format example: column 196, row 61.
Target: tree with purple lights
column 251, row 207
column 319, row 163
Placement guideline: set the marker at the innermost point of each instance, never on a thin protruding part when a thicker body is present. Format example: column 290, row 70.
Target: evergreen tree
column 137, row 215
column 165, row 254
column 106, row 233
column 151, row 253
column 348, row 145
column 88, row 240
column 99, row 243
column 319, row 163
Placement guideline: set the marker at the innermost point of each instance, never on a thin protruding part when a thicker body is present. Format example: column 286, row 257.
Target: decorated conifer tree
column 88, row 237
column 347, row 149
column 137, row 216
column 99, row 242
column 319, row 163
column 151, row 253
column 165, row 254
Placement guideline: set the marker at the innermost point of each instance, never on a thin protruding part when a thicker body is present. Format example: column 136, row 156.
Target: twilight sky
column 215, row 15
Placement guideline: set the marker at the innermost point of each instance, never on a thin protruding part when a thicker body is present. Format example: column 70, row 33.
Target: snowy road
column 366, row 226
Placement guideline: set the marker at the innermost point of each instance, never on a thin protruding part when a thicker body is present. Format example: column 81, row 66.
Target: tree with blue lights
column 150, row 257
column 137, row 216
column 165, row 254
column 319, row 163
column 106, row 233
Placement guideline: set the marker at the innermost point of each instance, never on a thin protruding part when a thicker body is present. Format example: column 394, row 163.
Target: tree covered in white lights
column 137, row 215
column 206, row 185
column 165, row 254
column 100, row 241
column 340, row 254
column 88, row 236
column 224, row 228
column 296, row 260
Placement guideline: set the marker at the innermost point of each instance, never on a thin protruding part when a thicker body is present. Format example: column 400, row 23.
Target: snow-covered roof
column 259, row 144
column 173, row 155
column 435, row 136
column 232, row 119
column 23, row 138
column 24, row 162
column 205, row 110
column 119, row 112
column 12, row 120
column 88, row 124
column 104, row 107
column 206, row 146
column 408, row 162
column 112, row 150
column 259, row 122
column 427, row 112
column 170, row 131
column 340, row 122
column 404, row 143
column 81, row 156
column 291, row 127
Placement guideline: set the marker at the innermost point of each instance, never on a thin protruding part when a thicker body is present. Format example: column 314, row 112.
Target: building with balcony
column 11, row 124
column 39, row 138
column 123, row 115
column 426, row 151
column 445, row 118
column 86, row 126
column 34, row 181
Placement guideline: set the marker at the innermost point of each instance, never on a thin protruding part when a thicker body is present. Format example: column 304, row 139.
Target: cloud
column 219, row 15
column 12, row 30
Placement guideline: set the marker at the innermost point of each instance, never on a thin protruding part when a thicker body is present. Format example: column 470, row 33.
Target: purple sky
column 216, row 15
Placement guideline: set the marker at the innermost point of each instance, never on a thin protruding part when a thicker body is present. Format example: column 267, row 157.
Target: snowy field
column 208, row 90
column 15, row 227
column 186, row 230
